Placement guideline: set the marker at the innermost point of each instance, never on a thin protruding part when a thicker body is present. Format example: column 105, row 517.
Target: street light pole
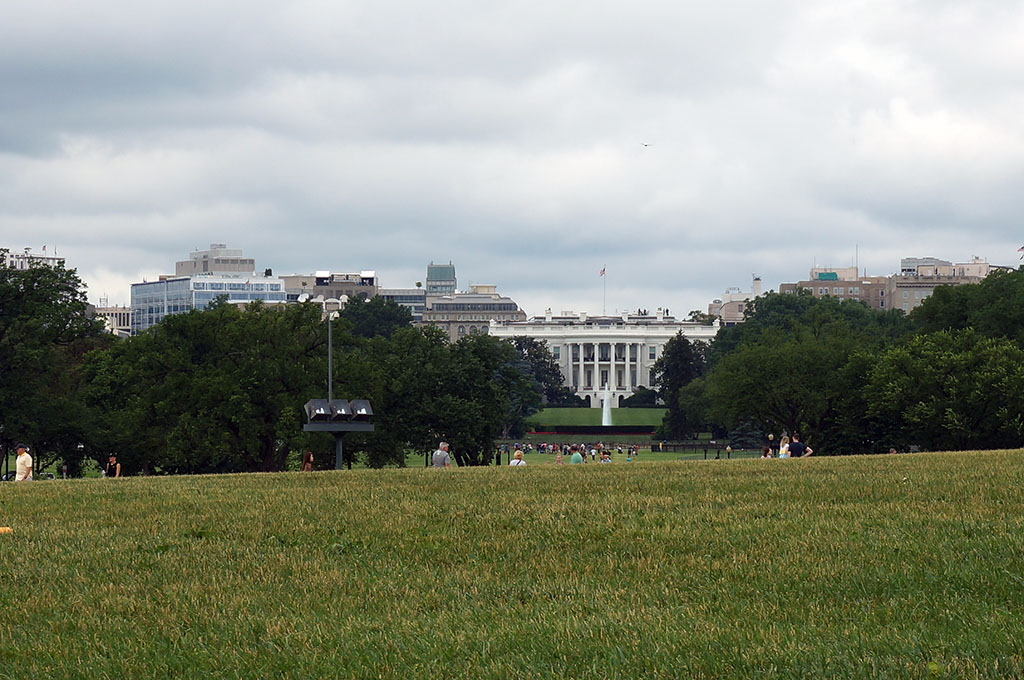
column 330, row 359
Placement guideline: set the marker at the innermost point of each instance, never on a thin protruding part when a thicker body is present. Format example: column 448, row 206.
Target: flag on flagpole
column 44, row 249
column 602, row 271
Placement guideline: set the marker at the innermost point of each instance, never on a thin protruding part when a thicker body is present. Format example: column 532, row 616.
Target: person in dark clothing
column 113, row 468
column 797, row 449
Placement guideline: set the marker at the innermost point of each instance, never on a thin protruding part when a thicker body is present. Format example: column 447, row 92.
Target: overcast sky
column 684, row 145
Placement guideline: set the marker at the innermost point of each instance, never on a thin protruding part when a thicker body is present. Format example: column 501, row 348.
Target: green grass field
column 592, row 416
column 883, row 566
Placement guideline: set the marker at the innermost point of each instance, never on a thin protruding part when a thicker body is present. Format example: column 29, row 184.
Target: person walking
column 23, row 465
column 441, row 459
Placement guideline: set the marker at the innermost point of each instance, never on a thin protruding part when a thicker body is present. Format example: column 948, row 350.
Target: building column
column 611, row 368
column 580, row 383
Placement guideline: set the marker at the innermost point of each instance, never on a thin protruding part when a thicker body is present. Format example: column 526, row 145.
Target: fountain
column 606, row 408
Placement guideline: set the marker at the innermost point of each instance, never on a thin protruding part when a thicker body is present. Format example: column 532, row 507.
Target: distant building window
column 881, row 303
column 556, row 352
column 906, row 295
column 905, row 306
column 462, row 330
column 652, row 352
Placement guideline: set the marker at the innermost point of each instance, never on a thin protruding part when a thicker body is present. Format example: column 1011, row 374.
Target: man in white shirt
column 24, row 465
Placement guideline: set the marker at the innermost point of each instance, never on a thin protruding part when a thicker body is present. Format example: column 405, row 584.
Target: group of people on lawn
column 789, row 448
column 577, row 454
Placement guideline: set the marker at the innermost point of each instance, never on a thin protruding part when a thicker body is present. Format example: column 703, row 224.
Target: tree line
column 950, row 375
column 223, row 389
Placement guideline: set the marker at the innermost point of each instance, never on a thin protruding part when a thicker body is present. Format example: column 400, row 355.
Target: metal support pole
column 339, row 455
column 330, row 371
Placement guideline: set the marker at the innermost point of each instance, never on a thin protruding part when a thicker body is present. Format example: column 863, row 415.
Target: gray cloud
column 509, row 137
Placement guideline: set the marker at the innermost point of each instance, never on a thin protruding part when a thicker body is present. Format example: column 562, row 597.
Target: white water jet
column 606, row 407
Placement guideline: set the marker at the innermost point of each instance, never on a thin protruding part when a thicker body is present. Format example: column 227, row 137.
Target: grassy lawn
column 879, row 567
column 592, row 416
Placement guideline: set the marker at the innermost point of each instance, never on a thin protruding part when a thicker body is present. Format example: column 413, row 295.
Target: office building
column 461, row 314
column 441, row 279
column 731, row 307
column 151, row 301
column 413, row 299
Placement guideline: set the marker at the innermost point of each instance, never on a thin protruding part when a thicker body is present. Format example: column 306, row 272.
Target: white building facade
column 614, row 351
column 28, row 259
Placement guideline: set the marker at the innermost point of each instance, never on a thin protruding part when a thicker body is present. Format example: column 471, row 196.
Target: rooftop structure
column 332, row 288
column 26, row 259
column 219, row 258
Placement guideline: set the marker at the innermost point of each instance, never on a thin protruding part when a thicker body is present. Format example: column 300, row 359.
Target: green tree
column 681, row 362
column 542, row 365
column 219, row 390
column 44, row 329
column 950, row 390
column 642, row 397
column 994, row 307
column 375, row 316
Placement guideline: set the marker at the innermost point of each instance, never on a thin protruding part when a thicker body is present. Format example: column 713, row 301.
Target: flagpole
column 604, row 300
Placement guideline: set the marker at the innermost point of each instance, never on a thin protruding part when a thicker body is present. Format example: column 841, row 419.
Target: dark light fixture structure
column 338, row 417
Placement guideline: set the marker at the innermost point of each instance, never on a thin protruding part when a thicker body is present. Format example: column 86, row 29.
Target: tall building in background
column 211, row 275
column 441, row 279
column 461, row 314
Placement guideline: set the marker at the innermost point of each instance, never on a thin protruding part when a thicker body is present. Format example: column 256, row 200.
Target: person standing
column 517, row 459
column 23, row 466
column 113, row 468
column 784, row 447
column 441, row 459
column 797, row 449
column 576, row 458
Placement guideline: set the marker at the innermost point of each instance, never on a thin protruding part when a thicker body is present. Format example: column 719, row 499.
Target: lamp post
column 331, row 316
column 337, row 416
